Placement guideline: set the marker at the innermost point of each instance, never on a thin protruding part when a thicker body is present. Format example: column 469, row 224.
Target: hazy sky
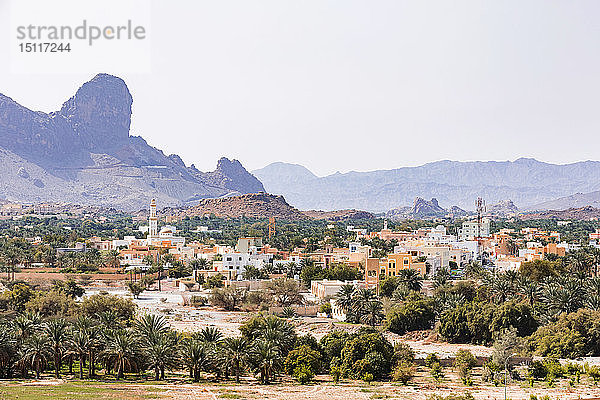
column 356, row 85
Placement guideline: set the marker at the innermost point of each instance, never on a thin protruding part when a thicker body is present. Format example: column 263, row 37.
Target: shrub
column 403, row 352
column 301, row 358
column 304, row 374
column 404, row 372
column 412, row 315
column 437, row 372
column 367, row 352
column 92, row 306
column 572, row 335
column 431, row 359
column 336, row 373
column 51, row 304
column 464, row 363
column 325, row 308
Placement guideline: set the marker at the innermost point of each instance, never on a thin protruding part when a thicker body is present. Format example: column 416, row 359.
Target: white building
column 471, row 230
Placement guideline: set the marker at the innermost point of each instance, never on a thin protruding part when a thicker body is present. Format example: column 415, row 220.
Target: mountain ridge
column 526, row 181
column 84, row 154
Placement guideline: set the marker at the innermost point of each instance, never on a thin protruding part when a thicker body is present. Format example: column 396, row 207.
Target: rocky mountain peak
column 232, row 175
column 100, row 111
column 422, row 207
column 503, row 208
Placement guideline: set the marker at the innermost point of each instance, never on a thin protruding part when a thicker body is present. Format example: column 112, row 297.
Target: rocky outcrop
column 84, row 154
column 424, row 208
column 254, row 205
column 504, row 208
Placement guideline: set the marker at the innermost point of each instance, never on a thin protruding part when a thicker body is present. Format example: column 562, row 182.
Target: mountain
column 576, row 200
column 253, row 205
column 424, row 208
column 504, row 208
column 457, row 212
column 582, row 213
column 339, row 215
column 526, row 181
column 84, row 154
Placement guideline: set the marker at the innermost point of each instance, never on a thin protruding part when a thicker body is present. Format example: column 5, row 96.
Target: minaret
column 153, row 221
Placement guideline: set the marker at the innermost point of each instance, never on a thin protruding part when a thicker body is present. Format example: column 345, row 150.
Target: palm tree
column 8, row 346
column 150, row 325
column 236, row 353
column 197, row 357
column 57, row 332
column 372, row 313
column 121, row 349
column 113, row 259
column 411, row 279
column 344, row 297
column 25, row 325
column 266, row 360
column 161, row 352
column 361, row 299
column 529, row 289
column 37, row 352
column 80, row 345
column 209, row 335
column 441, row 277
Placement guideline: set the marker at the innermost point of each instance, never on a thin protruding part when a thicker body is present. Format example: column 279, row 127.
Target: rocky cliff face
column 84, row 154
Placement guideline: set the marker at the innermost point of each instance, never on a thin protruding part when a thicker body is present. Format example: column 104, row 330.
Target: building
column 326, row 288
column 394, row 263
column 249, row 244
column 471, row 230
column 166, row 236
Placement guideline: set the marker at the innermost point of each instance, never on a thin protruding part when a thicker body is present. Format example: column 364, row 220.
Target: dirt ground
column 421, row 390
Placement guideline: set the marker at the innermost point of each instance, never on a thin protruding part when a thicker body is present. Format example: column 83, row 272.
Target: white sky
column 355, row 85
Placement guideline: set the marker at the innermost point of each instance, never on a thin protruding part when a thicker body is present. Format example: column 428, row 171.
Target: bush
column 571, row 336
column 336, row 373
column 466, row 396
column 476, row 322
column 302, row 358
column 404, row 372
column 92, row 306
column 367, row 352
column 229, row 298
column 431, row 359
column 594, row 373
column 464, row 363
column 403, row 353
column 325, row 308
column 333, row 343
column 52, row 304
column 412, row 315
column 437, row 372
column 304, row 374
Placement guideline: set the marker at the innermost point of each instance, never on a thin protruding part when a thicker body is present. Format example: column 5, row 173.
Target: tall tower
column 271, row 227
column 480, row 207
column 153, row 221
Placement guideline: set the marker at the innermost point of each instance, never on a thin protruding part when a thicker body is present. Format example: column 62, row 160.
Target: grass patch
column 68, row 391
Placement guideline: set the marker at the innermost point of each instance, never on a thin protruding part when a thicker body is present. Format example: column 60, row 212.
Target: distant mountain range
column 84, row 154
column 527, row 182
